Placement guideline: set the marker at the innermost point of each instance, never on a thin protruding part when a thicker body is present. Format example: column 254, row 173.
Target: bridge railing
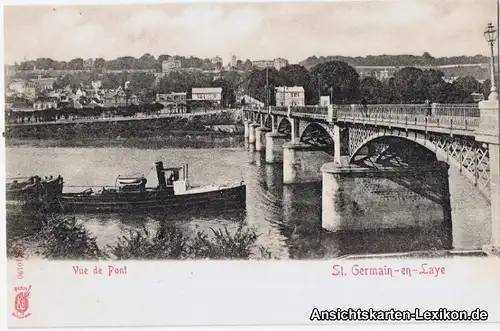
column 310, row 110
column 279, row 108
column 440, row 115
column 460, row 116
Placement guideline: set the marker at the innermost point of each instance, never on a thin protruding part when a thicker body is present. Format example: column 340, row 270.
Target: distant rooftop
column 207, row 90
column 290, row 89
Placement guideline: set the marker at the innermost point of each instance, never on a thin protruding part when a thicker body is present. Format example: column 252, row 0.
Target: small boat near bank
column 172, row 194
column 27, row 189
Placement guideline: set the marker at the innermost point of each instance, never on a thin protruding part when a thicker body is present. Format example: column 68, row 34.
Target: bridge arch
column 268, row 121
column 319, row 135
column 476, row 171
column 284, row 126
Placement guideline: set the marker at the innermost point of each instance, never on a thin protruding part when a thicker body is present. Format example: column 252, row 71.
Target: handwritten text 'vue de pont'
column 110, row 270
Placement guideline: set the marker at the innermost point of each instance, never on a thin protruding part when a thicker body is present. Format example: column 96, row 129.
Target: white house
column 324, row 100
column 206, row 93
column 290, row 96
column 96, row 84
column 18, row 86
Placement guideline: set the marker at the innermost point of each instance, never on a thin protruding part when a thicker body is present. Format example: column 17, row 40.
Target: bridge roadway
column 400, row 142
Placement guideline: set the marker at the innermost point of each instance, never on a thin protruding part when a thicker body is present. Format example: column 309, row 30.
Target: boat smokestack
column 161, row 175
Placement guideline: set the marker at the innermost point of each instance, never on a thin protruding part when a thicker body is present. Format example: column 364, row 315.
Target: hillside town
column 176, row 84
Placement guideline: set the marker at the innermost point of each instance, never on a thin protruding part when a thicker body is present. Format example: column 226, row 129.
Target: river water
column 287, row 218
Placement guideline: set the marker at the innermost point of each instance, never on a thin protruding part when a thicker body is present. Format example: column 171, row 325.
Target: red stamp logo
column 21, row 301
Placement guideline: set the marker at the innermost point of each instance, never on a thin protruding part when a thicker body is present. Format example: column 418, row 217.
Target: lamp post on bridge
column 490, row 34
column 488, row 132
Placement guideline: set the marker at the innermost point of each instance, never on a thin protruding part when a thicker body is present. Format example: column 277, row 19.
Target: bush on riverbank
column 62, row 238
column 170, row 243
column 167, row 243
column 224, row 245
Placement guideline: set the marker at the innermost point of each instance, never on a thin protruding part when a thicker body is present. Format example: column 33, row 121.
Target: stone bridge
column 410, row 144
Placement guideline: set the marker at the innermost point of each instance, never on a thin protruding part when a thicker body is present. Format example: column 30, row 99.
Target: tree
column 125, row 62
column 430, row 86
column 341, row 78
column 404, row 83
column 297, row 75
column 428, row 59
column 46, row 63
column 247, row 65
column 372, row 90
column 76, row 64
column 147, row 61
column 486, row 88
column 163, row 57
column 256, row 84
column 464, row 87
column 228, row 93
column 111, row 80
column 99, row 63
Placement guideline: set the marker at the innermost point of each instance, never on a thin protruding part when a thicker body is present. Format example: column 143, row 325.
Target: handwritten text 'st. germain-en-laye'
column 423, row 269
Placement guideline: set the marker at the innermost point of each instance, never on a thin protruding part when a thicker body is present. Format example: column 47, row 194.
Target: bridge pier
column 251, row 132
column 489, row 132
column 365, row 199
column 246, row 124
column 340, row 141
column 301, row 162
column 260, row 138
column 274, row 146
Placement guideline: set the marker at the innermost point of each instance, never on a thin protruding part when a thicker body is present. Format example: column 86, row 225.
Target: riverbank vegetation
column 155, row 128
column 188, row 139
column 56, row 237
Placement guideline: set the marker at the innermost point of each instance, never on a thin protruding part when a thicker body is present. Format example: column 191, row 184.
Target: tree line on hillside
column 402, row 60
column 335, row 78
column 145, row 62
column 341, row 81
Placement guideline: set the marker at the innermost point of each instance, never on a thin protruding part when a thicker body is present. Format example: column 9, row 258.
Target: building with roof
column 206, row 94
column 45, row 103
column 170, row 65
column 115, row 98
column 216, row 59
column 96, row 84
column 324, row 101
column 43, row 84
column 290, row 96
column 277, row 63
column 174, row 102
column 17, row 85
column 262, row 64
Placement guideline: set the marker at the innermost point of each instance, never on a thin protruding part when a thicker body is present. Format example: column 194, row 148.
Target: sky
column 258, row 31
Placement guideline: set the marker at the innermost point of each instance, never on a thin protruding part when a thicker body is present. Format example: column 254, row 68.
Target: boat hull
column 227, row 198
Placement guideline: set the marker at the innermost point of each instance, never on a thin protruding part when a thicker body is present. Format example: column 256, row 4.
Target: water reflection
column 286, row 217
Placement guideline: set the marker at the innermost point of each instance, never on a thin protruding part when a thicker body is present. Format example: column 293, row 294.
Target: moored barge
column 33, row 189
column 173, row 194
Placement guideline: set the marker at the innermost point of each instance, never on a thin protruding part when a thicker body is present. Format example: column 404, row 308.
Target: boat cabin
column 169, row 178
